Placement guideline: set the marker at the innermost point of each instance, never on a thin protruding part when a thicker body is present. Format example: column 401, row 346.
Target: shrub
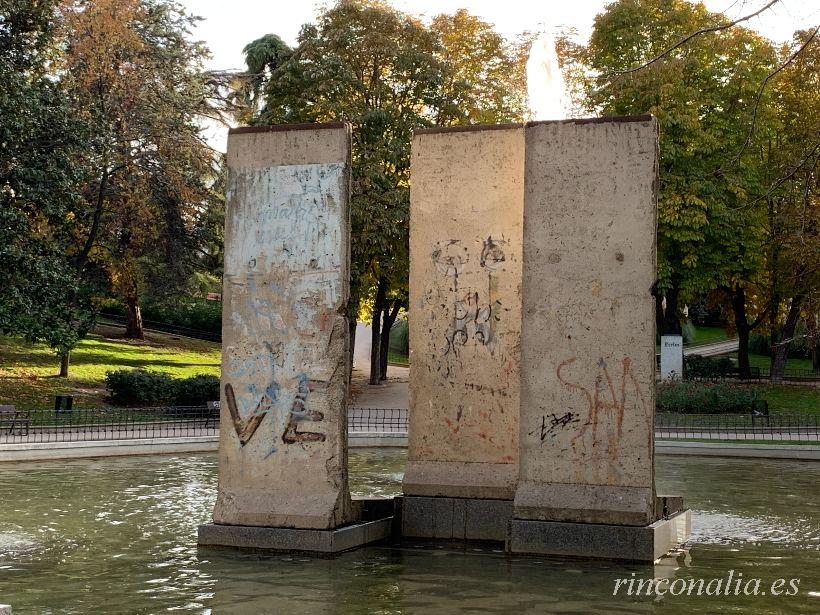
column 196, row 390
column 139, row 386
column 696, row 367
column 399, row 338
column 143, row 387
column 688, row 332
column 706, row 398
column 760, row 344
column 190, row 312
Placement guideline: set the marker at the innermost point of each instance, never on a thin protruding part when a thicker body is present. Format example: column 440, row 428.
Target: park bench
column 11, row 418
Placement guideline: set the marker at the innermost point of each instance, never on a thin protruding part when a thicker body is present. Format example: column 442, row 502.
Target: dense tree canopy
column 386, row 73
column 134, row 75
column 42, row 297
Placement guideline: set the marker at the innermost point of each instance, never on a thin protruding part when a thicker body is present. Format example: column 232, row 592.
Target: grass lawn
column 759, row 360
column 790, row 398
column 28, row 371
column 397, row 359
column 708, row 335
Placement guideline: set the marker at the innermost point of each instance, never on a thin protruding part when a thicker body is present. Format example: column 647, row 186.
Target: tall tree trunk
column 659, row 323
column 390, row 315
column 781, row 351
column 65, row 358
column 815, row 342
column 351, row 326
column 743, row 331
column 133, row 318
column 671, row 322
column 375, row 334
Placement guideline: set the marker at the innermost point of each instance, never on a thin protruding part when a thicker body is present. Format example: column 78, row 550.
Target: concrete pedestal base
column 455, row 518
column 617, row 542
column 290, row 539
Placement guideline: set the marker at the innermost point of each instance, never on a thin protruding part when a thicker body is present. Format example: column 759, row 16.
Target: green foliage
column 705, row 398
column 689, row 333
column 196, row 391
column 133, row 72
column 140, row 386
column 386, row 73
column 709, row 234
column 400, row 338
column 696, row 367
column 189, row 312
column 42, row 295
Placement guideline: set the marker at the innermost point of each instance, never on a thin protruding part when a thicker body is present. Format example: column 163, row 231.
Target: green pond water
column 119, row 536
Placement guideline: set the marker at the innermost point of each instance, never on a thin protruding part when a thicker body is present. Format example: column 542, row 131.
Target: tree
column 793, row 198
column 710, row 230
column 42, row 296
column 484, row 78
column 387, row 74
column 135, row 76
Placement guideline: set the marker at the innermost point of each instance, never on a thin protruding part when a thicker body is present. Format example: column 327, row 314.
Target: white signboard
column 671, row 357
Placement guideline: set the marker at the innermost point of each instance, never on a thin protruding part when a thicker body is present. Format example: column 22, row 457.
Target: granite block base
column 599, row 541
column 447, row 518
column 284, row 539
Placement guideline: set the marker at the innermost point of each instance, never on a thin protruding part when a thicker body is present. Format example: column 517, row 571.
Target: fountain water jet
column 546, row 88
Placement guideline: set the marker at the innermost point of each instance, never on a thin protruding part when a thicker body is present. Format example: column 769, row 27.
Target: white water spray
column 545, row 82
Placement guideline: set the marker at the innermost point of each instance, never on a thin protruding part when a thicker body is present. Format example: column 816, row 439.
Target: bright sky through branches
column 229, row 25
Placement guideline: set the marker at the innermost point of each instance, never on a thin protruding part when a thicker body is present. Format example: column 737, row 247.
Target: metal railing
column 797, row 427
column 79, row 425
column 382, row 420
column 150, row 325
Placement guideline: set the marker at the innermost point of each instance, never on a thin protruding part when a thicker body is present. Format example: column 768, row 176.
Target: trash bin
column 63, row 403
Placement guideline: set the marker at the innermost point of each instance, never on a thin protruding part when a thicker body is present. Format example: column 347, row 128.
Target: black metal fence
column 390, row 420
column 79, row 425
column 165, row 328
column 797, row 427
column 76, row 425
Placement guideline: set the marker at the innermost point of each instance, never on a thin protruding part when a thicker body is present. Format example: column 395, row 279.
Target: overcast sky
column 228, row 25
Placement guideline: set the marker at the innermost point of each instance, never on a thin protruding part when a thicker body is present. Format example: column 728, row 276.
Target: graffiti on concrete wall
column 473, row 311
column 284, row 287
column 608, row 396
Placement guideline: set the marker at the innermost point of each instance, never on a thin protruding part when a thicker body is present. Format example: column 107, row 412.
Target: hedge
column 706, row 398
column 696, row 367
column 140, row 386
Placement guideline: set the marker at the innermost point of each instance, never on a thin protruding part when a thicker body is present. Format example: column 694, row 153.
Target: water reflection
column 118, row 536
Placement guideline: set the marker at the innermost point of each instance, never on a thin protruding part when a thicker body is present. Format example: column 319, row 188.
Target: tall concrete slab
column 588, row 337
column 283, row 429
column 466, row 202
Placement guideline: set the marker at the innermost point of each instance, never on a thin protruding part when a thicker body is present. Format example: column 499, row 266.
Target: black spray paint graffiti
column 472, row 318
column 299, row 413
column 552, row 423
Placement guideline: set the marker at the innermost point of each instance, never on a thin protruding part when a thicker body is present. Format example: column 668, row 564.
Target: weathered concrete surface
column 283, row 435
column 616, row 542
column 588, row 336
column 466, row 203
